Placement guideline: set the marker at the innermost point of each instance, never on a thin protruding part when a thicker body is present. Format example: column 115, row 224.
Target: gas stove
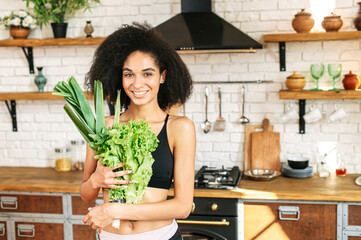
column 213, row 178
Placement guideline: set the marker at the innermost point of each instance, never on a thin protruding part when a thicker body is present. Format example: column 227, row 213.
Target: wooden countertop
column 315, row 188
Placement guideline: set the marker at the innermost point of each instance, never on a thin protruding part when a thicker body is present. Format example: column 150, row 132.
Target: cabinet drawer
column 81, row 232
column 79, row 207
column 354, row 215
column 299, row 221
column 40, row 231
column 3, row 232
column 31, row 204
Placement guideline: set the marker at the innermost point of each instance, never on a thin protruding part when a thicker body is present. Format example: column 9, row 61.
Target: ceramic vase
column 332, row 23
column 40, row 80
column 357, row 20
column 351, row 81
column 19, row 32
column 295, row 82
column 88, row 29
column 303, row 22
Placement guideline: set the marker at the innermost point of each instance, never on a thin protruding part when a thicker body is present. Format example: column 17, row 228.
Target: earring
column 161, row 81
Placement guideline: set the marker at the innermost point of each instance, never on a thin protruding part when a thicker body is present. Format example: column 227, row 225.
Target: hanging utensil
column 243, row 119
column 220, row 123
column 206, row 125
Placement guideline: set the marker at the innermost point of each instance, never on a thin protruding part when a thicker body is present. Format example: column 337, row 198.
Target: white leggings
column 164, row 233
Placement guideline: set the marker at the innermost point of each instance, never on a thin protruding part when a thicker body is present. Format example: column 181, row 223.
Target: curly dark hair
column 110, row 56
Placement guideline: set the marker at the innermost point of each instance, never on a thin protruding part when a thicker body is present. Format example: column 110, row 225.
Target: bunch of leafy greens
column 130, row 143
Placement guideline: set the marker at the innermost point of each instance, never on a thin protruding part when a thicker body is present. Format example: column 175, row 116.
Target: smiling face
column 142, row 78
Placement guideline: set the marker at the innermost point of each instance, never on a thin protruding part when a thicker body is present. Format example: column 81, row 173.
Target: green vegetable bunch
column 130, row 143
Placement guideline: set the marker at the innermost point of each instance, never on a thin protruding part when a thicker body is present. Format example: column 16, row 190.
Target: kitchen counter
column 333, row 188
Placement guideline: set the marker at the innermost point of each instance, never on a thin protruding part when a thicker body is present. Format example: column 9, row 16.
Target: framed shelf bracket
column 282, row 46
column 302, row 111
column 29, row 56
column 12, row 111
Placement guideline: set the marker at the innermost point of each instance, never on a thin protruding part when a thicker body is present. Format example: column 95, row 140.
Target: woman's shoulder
column 180, row 124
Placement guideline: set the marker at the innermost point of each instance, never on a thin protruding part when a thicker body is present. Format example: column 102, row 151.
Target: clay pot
column 357, row 20
column 332, row 23
column 351, row 81
column 19, row 32
column 295, row 82
column 303, row 22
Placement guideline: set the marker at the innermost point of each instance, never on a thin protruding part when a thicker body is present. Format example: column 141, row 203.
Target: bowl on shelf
column 297, row 162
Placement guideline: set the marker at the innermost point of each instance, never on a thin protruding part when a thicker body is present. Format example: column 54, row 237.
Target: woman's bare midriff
column 129, row 227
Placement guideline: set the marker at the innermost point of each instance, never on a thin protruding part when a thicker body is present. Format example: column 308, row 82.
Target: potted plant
column 19, row 24
column 56, row 11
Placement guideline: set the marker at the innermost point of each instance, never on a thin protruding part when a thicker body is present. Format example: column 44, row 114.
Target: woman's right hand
column 104, row 177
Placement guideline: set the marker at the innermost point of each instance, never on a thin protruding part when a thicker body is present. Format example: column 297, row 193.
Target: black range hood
column 197, row 28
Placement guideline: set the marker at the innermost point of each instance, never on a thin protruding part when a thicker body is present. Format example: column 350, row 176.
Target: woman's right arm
column 97, row 176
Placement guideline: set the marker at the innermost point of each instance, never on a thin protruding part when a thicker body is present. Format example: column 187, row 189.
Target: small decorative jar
column 332, row 23
column 78, row 150
column 351, row 81
column 357, row 19
column 303, row 22
column 295, row 82
column 40, row 80
column 88, row 29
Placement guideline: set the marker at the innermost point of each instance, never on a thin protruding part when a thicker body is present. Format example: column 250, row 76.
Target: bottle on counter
column 323, row 170
column 78, row 155
column 62, row 159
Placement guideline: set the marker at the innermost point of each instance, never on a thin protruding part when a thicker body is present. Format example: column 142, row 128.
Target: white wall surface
column 43, row 125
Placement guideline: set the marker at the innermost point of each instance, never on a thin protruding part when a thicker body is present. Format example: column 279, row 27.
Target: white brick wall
column 43, row 125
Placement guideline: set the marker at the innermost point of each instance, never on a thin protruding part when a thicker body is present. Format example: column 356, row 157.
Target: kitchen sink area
column 267, row 90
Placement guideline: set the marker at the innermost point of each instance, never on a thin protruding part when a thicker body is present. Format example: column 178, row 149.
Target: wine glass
column 317, row 70
column 334, row 70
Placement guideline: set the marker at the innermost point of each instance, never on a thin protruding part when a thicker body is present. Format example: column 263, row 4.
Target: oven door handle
column 223, row 222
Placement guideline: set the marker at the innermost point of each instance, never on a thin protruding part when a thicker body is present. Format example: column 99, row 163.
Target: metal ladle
column 206, row 125
column 243, row 119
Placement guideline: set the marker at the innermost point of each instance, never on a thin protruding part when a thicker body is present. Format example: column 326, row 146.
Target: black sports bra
column 164, row 161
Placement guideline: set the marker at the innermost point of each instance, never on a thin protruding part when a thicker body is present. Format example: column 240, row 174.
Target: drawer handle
column 288, row 210
column 2, row 230
column 26, row 230
column 223, row 222
column 9, row 203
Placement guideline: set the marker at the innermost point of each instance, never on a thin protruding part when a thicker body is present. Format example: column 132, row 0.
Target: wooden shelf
column 35, row 96
column 319, row 36
column 50, row 42
column 282, row 38
column 343, row 94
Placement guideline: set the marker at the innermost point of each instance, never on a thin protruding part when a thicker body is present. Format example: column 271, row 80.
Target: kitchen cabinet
column 57, row 216
column 351, row 221
column 30, row 215
column 290, row 220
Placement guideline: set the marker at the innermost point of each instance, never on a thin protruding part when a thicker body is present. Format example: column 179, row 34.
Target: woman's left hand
column 99, row 216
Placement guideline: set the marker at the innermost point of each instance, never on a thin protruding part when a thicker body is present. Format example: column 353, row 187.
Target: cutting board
column 268, row 148
column 265, row 148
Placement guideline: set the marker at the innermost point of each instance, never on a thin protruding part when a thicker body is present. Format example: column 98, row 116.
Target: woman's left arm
column 182, row 137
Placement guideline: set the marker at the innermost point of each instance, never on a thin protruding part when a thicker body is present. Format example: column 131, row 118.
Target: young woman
column 152, row 79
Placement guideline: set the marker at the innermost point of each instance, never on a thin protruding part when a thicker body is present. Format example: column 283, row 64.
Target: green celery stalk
column 83, row 103
column 99, row 107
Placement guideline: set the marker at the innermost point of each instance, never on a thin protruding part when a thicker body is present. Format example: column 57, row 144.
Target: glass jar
column 62, row 159
column 78, row 154
column 323, row 170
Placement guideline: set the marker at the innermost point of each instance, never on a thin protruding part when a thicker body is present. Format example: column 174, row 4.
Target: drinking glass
column 334, row 70
column 317, row 72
